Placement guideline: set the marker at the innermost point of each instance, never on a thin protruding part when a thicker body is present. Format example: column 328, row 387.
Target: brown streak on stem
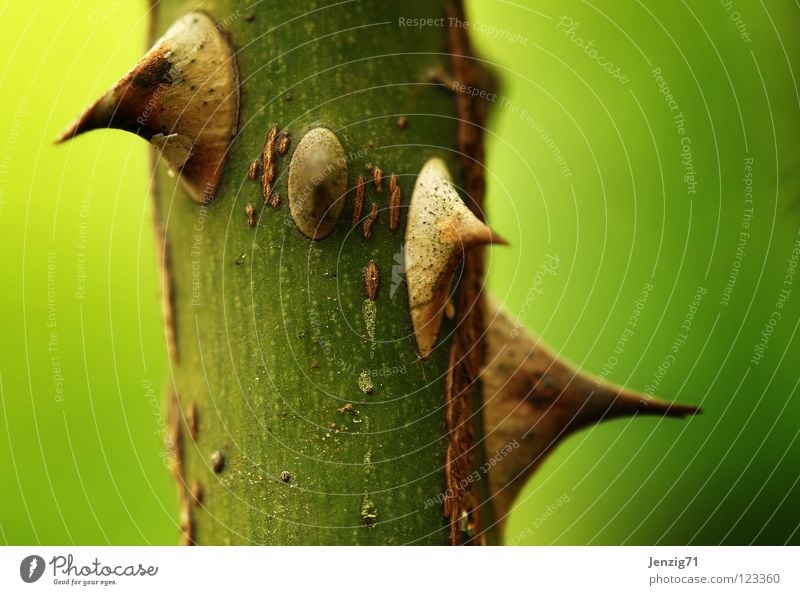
column 191, row 420
column 466, row 350
column 370, row 221
column 283, row 143
column 372, row 280
column 254, row 170
column 250, row 211
column 175, row 445
column 268, row 161
column 358, row 201
column 197, row 493
column 394, row 207
column 167, row 292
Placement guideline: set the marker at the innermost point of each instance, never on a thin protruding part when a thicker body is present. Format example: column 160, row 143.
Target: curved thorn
column 183, row 97
column 440, row 228
column 533, row 399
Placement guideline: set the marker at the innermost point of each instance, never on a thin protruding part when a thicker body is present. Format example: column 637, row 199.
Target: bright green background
column 88, row 467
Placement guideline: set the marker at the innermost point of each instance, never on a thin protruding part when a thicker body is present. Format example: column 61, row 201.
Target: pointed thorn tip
column 67, row 134
column 668, row 409
column 498, row 240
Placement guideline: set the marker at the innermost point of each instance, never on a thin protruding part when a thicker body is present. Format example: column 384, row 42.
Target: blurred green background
column 666, row 282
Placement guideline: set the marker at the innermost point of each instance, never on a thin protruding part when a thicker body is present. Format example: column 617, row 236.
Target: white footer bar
column 398, row 570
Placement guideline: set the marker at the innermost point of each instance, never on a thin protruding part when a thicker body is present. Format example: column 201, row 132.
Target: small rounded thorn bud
column 372, row 280
column 317, row 183
column 217, row 461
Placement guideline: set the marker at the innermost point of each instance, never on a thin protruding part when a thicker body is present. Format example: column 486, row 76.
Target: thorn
column 621, row 403
column 440, row 228
column 533, row 399
column 497, row 240
column 183, row 97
